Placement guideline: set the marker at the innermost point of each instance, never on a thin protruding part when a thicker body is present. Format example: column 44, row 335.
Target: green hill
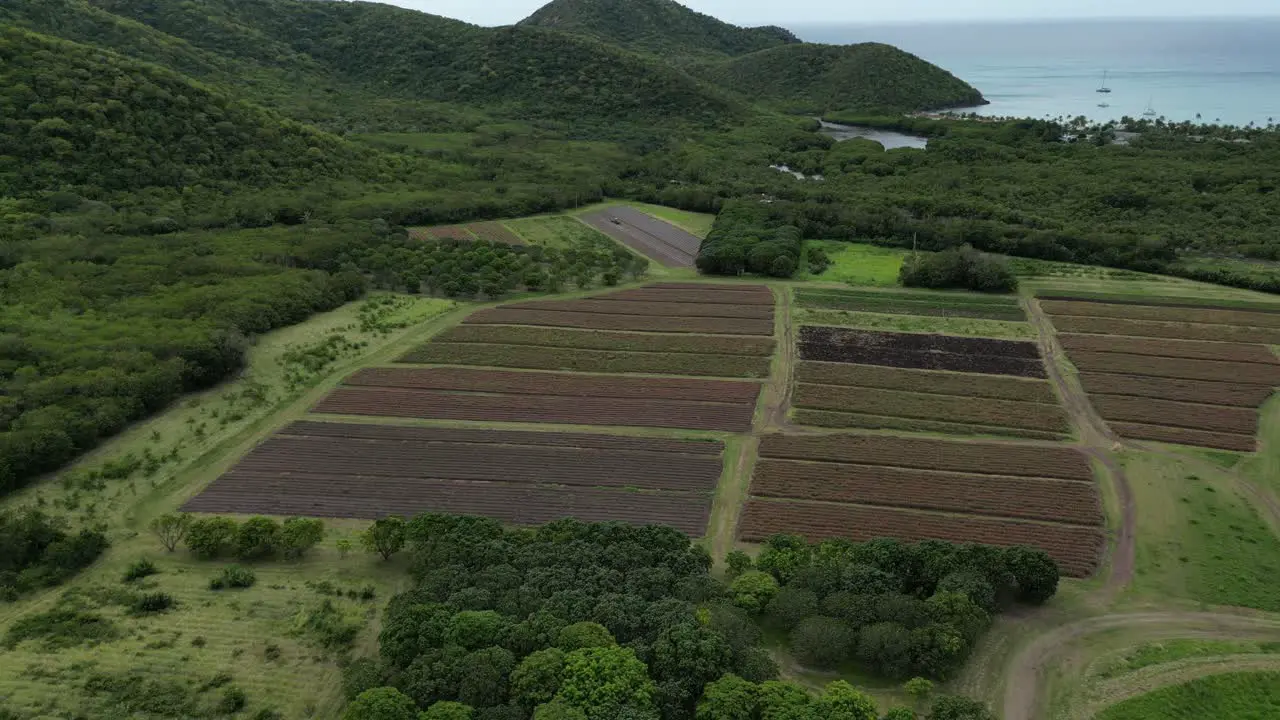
column 814, row 78
column 656, row 26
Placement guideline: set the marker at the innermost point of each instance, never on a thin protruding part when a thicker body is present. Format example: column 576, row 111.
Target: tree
column 887, row 648
column 737, row 563
column 536, row 680
column 603, row 681
column 584, row 635
column 729, row 698
column 918, row 689
column 1034, row 571
column 790, row 606
column 686, row 657
column 384, row 703
column 482, row 676
column 386, row 536
column 955, row 707
column 558, row 710
column 257, row 538
column 783, row 556
column 208, row 538
column 475, row 629
column 448, row 710
column 753, row 590
column 840, row 701
column 298, row 535
column 900, row 713
column 784, row 701
column 171, row 528
column 821, row 642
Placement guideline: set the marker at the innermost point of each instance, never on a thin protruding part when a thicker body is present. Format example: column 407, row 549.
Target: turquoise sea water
column 1226, row 69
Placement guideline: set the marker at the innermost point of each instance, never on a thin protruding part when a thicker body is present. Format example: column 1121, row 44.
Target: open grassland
column 960, row 305
column 970, row 327
column 1159, row 653
column 858, row 263
column 1239, row 696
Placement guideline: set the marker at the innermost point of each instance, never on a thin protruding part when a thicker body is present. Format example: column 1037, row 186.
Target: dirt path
column 776, row 417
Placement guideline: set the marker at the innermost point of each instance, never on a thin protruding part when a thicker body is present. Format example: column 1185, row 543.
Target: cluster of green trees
column 961, row 267
column 257, row 538
column 748, row 237
column 40, row 552
column 901, row 610
column 580, row 621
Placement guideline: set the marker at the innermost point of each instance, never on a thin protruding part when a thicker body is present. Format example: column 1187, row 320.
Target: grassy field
column 858, row 264
column 694, row 223
column 556, row 231
column 916, row 323
column 1234, row 696
column 1159, row 653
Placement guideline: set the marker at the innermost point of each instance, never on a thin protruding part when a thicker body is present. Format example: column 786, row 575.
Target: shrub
column 235, row 576
column 257, row 538
column 153, row 603
column 233, row 701
column 61, row 628
column 171, row 528
column 140, row 569
column 961, row 267
column 210, row 538
column 298, row 535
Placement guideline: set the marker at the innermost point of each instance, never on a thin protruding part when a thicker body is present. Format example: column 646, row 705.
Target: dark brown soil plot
column 1179, row 330
column 941, row 383
column 418, row 434
column 343, row 496
column 711, row 286
column 601, row 340
column 760, row 296
column 636, row 323
column 658, row 309
column 593, row 361
column 1032, row 498
column 1166, row 314
column 1215, row 418
column 947, row 408
column 538, row 383
column 1182, row 368
column 537, row 409
column 1076, row 549
column 922, row 360
column 862, row 421
column 1192, row 349
column 1170, row 302
column 1193, row 391
column 916, row 342
column 928, row 454
column 1184, row 436
column 661, row 241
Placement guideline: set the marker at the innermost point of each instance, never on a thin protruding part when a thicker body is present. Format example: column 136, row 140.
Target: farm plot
column 656, row 239
column 1179, row 368
column 1041, row 417
column 940, row 383
column 861, row 421
column 606, row 305
column 698, row 293
column 1190, row 349
column 367, row 471
column 443, row 232
column 633, row 323
column 494, row 232
column 1189, row 391
column 602, row 361
column 565, row 384
column 1175, row 330
column 602, row 340
column 920, row 351
column 897, row 303
column 1215, row 418
column 1185, row 314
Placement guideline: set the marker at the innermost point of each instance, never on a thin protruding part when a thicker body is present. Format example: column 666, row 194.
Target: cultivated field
column 913, row 303
column 921, row 351
column 656, row 239
column 490, row 231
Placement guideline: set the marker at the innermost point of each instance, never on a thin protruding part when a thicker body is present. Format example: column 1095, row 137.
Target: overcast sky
column 754, row 12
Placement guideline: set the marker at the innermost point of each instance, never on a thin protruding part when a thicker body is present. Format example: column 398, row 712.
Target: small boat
column 1150, row 111
column 1104, row 104
column 1104, row 88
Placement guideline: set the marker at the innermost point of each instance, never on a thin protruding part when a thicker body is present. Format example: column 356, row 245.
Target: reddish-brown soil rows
column 1181, row 368
column 954, row 362
column 651, row 294
column 939, row 383
column 412, row 433
column 495, row 232
column 538, row 383
column 1193, row 349
column 1183, row 331
column 657, row 309
column 917, row 342
column 710, row 287
column 1216, row 418
column 1183, row 436
column 537, row 409
column 1076, row 549
column 448, row 232
column 1193, row 391
column 342, row 496
column 600, row 340
column 1166, row 314
column 1033, row 498
column 507, row 463
column 863, row 421
column 966, row 457
column 637, row 323
column 1007, row 413
column 1170, row 302
column 588, row 361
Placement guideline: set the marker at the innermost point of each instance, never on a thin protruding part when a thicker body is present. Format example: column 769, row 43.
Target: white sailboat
column 1150, row 111
column 1104, row 88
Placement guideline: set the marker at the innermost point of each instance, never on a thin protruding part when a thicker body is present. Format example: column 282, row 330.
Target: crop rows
column 607, row 306
column 1031, row 498
column 448, row 232
column 637, row 323
column 920, row 296
column 601, row 340
column 495, row 232
column 1239, row 318
column 381, row 402
column 1180, row 368
column 848, row 420
column 917, row 342
column 585, row 441
column 926, row 360
column 929, row 454
column 1150, row 411
column 940, row 383
column 903, row 305
column 735, row 294
column 1190, row 349
column 1215, row 304
column 342, row 496
column 1076, row 549
column 1177, row 330
column 1189, row 391
column 601, row 361
column 571, row 385
column 1186, row 436
column 1005, row 413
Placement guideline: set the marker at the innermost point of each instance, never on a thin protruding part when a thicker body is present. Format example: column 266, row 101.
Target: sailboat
column 1104, row 88
column 1150, row 111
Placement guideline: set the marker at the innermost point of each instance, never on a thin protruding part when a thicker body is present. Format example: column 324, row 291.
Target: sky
column 794, row 12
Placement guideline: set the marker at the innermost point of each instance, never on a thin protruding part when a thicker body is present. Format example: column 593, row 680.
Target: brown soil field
column 598, row 361
column 948, row 408
column 712, row 286
column 669, row 245
column 574, row 385
column 361, row 457
column 1170, row 302
column 1192, row 349
column 721, row 294
column 929, row 454
column 341, row 496
column 640, row 323
column 1183, row 436
column 862, row 421
column 917, row 342
column 678, row 414
column 1065, row 501
column 953, row 362
column 602, row 340
column 1181, row 368
column 1204, row 392
column 940, row 383
column 657, row 309
column 1077, row 550
column 1215, row 418
column 420, row 434
column 1183, row 331
column 494, row 232
column 1241, row 318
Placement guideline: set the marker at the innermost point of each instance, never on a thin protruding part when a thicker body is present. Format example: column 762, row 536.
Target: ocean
column 1224, row 70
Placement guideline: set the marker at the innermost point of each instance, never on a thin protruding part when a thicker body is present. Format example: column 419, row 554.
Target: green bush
column 235, row 577
column 962, row 267
column 257, row 538
column 153, row 603
column 61, row 628
column 211, row 537
column 140, row 569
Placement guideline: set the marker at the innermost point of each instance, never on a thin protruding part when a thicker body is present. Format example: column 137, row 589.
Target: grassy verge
column 969, row 327
column 1159, row 653
column 1239, row 696
column 857, row 264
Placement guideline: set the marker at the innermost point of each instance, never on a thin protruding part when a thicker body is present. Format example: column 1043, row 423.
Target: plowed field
column 939, row 383
column 1007, row 413
column 573, row 385
column 1191, row 391
column 1182, row 368
column 537, row 409
column 1217, row 304
column 606, row 306
column 907, row 304
column 600, row 340
column 1076, row 549
column 1215, row 418
column 1038, row 499
column 735, row 294
column 918, row 351
column 585, row 441
column 1184, row 436
column 862, row 421
column 599, row 361
column 1167, row 314
column 1178, row 330
column 1192, row 349
column 927, row 454
column 639, row 323
column 917, row 342
column 954, row 362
